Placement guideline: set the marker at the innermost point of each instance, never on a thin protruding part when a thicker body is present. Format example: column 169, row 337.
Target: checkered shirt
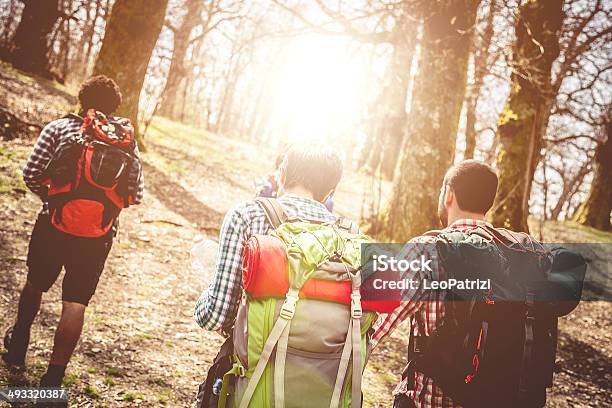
column 43, row 152
column 217, row 307
column 428, row 307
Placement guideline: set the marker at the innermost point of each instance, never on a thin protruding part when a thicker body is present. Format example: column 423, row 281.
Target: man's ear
column 282, row 175
column 449, row 197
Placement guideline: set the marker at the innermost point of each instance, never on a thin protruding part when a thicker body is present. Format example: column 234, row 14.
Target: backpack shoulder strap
column 432, row 233
column 72, row 115
column 275, row 213
column 347, row 225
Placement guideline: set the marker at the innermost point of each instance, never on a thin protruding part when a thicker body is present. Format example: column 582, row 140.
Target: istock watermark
column 468, row 269
column 447, row 284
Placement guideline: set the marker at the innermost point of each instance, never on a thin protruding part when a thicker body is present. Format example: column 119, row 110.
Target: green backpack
column 302, row 352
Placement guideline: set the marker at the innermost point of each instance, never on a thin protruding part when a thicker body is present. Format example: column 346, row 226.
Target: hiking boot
column 16, row 347
column 47, row 381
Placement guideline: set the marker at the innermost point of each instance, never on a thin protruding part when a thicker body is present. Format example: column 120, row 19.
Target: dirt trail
column 140, row 346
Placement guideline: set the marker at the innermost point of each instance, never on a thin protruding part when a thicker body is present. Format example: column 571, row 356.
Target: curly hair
column 100, row 93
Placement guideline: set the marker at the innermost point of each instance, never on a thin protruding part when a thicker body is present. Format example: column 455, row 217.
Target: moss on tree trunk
column 595, row 210
column 524, row 120
column 131, row 34
column 433, row 120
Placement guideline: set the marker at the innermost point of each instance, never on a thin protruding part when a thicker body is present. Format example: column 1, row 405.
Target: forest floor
column 140, row 346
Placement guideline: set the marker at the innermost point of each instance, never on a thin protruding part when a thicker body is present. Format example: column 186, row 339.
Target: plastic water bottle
column 202, row 257
column 217, row 386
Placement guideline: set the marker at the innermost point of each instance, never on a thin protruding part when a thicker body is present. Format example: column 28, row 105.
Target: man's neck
column 461, row 215
column 299, row 191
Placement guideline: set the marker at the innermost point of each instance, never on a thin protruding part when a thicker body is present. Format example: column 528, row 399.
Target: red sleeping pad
column 264, row 274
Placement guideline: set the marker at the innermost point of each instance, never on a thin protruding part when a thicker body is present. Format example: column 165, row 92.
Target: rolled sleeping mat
column 265, row 274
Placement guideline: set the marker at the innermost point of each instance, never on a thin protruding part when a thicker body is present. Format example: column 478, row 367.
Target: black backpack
column 497, row 348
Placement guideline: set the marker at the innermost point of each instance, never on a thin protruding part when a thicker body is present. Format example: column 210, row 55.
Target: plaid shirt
column 43, row 152
column 217, row 307
column 428, row 307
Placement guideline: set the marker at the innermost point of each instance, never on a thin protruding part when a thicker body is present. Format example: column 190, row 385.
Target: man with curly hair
column 51, row 249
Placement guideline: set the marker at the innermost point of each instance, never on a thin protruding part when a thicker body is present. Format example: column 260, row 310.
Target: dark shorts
column 83, row 259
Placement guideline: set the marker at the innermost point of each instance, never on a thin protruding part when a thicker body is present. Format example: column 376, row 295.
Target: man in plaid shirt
column 308, row 176
column 467, row 193
column 50, row 249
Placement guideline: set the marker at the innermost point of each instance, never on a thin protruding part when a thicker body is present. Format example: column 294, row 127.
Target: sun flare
column 319, row 88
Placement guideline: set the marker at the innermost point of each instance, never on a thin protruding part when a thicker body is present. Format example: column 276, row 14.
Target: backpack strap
column 352, row 348
column 72, row 115
column 275, row 213
column 280, row 329
column 432, row 233
column 347, row 224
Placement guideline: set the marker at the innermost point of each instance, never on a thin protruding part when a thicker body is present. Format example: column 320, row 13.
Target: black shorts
column 83, row 259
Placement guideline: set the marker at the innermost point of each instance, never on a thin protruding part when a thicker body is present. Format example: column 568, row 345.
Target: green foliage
column 12, row 179
column 203, row 147
column 91, row 391
column 114, row 372
column 506, row 116
column 69, row 380
column 109, row 381
column 131, row 397
column 32, row 79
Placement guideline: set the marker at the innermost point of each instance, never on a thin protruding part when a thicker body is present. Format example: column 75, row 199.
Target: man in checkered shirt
column 50, row 249
column 467, row 193
column 308, row 176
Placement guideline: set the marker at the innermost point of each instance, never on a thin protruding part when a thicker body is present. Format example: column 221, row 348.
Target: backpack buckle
column 356, row 311
column 241, row 370
column 288, row 309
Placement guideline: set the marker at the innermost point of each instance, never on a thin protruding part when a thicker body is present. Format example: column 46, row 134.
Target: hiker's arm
column 413, row 296
column 216, row 309
column 139, row 180
column 39, row 160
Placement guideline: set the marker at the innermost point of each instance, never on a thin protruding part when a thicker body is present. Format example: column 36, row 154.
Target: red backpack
column 93, row 175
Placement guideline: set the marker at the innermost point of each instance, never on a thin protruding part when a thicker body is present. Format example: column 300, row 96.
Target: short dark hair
column 474, row 184
column 100, row 93
column 316, row 167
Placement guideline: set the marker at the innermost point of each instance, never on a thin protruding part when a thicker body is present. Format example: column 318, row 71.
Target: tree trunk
column 524, row 120
column 595, row 211
column 176, row 73
column 434, row 117
column 481, row 68
column 131, row 34
column 395, row 116
column 389, row 121
column 31, row 40
column 569, row 189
